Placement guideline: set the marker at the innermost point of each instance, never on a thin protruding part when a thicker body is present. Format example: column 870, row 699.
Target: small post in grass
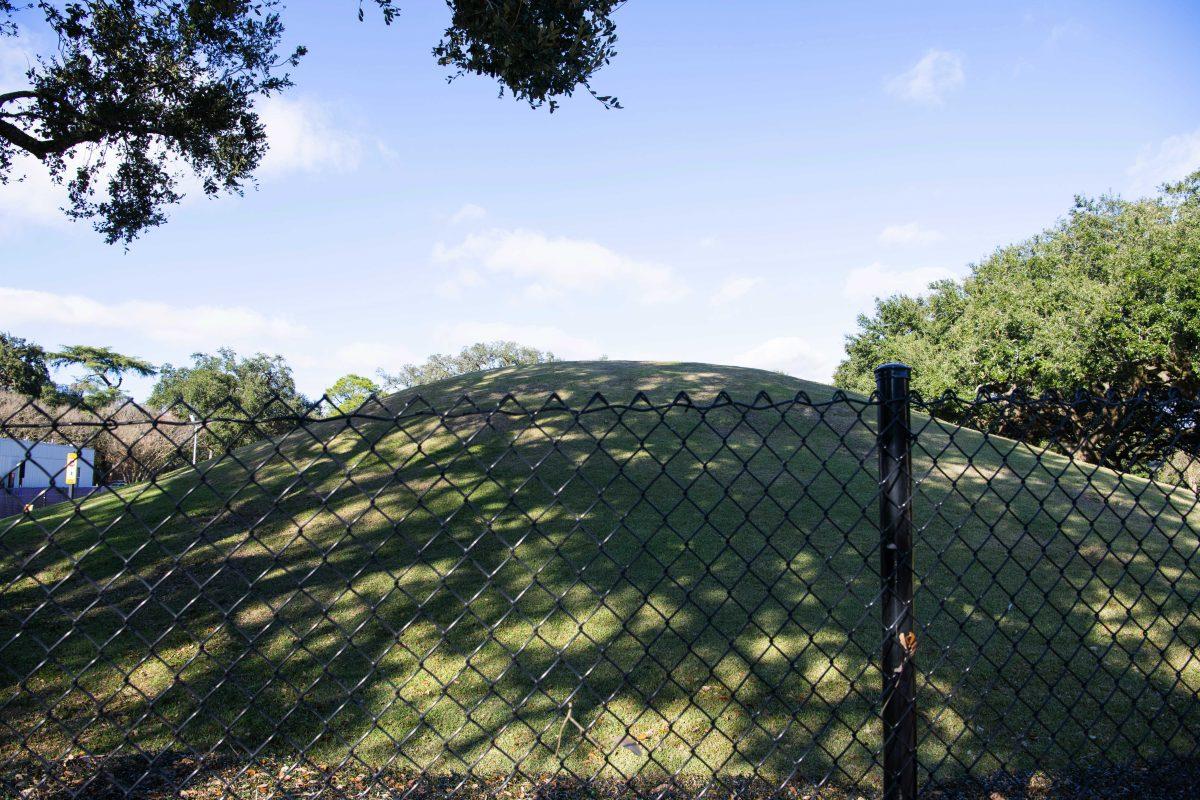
column 895, row 528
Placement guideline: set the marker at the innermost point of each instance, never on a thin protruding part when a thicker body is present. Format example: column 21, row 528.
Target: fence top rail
column 1172, row 404
column 378, row 408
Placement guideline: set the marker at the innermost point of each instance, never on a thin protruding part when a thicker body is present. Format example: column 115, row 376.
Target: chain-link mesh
column 1059, row 591
column 677, row 599
column 523, row 598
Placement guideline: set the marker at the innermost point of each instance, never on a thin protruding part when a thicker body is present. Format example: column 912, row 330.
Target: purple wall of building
column 13, row 501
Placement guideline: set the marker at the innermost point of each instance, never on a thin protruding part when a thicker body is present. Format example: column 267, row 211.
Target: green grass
column 425, row 595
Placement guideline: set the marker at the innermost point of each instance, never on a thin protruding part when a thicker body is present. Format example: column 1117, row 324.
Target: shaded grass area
column 615, row 594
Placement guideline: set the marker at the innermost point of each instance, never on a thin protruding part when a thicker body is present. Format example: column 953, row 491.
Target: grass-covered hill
column 696, row 588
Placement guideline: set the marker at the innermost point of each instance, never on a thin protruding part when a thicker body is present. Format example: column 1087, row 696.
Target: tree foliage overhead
column 1107, row 300
column 474, row 358
column 537, row 49
column 134, row 92
column 134, row 95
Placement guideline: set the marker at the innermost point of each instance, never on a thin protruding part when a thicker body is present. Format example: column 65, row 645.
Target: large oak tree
column 132, row 95
column 1107, row 301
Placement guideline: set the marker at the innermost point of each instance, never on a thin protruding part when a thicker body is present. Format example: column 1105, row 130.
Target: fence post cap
column 895, row 367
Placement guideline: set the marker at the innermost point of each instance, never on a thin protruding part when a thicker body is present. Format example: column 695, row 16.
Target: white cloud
column 733, row 289
column 909, row 233
column 792, row 355
column 707, row 241
column 1065, row 31
column 389, row 154
column 35, row 199
column 365, row 358
column 549, row 266
column 545, row 337
column 199, row 325
column 468, row 213
column 1174, row 158
column 30, row 197
column 865, row 284
column 17, row 55
column 453, row 287
column 303, row 137
column 929, row 80
column 541, row 293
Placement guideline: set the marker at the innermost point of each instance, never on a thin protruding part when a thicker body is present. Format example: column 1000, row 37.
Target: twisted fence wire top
column 655, row 597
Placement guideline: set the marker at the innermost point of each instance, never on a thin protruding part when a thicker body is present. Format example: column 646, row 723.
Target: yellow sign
column 72, row 477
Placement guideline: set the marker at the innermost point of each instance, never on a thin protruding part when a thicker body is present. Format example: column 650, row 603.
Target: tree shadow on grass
column 622, row 592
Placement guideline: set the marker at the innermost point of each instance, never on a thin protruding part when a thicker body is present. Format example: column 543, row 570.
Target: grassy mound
column 550, row 590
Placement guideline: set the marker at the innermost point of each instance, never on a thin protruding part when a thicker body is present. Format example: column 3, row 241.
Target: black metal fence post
column 895, row 528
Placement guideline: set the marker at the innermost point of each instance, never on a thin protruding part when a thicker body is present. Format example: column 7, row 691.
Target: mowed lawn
column 697, row 590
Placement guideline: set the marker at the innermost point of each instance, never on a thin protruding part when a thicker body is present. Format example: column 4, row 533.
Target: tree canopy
column 23, row 366
column 134, row 95
column 473, row 358
column 1106, row 300
column 349, row 392
column 247, row 398
column 104, row 371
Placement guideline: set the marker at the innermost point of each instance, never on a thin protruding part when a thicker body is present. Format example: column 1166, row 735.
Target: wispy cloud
column 303, row 137
column 198, row 325
column 455, row 285
column 1171, row 159
column 792, row 355
column 17, row 55
column 552, row 266
column 733, row 289
column 909, row 233
column 1065, row 31
column 30, row 197
column 930, row 80
column 468, row 213
column 365, row 357
column 865, row 284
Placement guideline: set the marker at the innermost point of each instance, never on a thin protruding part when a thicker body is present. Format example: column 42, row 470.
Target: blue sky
column 776, row 165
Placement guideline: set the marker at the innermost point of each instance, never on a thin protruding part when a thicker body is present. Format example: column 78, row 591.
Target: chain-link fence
column 812, row 597
column 1058, row 608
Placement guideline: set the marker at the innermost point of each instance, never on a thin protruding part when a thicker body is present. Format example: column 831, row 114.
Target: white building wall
column 44, row 463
